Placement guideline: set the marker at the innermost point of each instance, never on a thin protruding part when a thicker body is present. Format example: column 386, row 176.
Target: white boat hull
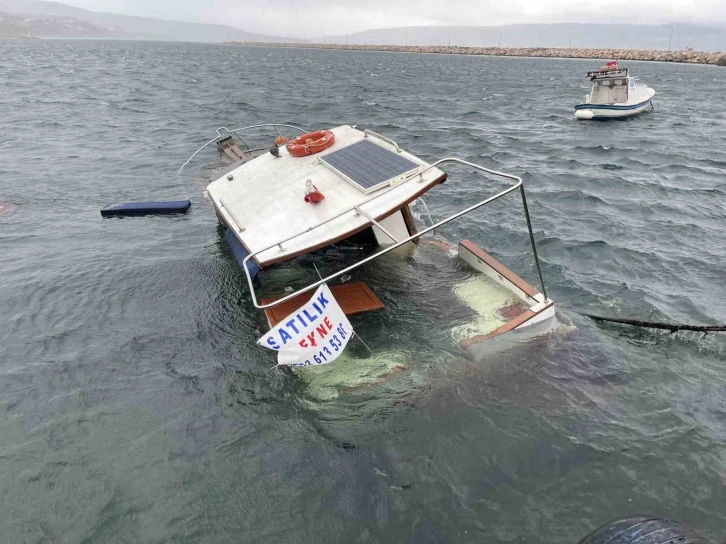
column 613, row 111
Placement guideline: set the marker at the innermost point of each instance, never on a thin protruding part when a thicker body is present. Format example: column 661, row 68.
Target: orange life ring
column 311, row 143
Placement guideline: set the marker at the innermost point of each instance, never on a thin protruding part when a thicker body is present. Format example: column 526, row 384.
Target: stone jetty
column 687, row 56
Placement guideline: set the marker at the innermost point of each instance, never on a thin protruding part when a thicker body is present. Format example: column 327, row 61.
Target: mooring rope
column 673, row 327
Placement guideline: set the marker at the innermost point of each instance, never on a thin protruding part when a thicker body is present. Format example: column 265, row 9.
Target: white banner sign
column 314, row 335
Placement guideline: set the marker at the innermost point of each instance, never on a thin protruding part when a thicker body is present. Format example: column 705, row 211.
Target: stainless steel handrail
column 234, row 218
column 235, row 133
column 518, row 185
column 376, row 223
column 302, row 131
column 385, row 139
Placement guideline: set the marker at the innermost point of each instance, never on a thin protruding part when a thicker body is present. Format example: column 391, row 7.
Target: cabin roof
column 616, row 73
column 264, row 202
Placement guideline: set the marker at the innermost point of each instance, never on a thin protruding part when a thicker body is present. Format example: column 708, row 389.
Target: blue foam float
column 146, row 208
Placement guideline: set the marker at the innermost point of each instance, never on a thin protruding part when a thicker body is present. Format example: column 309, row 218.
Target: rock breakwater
column 687, row 56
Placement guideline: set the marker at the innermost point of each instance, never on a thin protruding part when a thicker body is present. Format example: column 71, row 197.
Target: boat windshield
column 610, row 82
column 610, row 91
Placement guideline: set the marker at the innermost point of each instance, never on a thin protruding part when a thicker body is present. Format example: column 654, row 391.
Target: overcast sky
column 300, row 18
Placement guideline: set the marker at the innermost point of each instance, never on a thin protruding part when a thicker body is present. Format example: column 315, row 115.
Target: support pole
column 531, row 239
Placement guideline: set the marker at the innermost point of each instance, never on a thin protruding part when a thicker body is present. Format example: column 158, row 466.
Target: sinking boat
column 615, row 94
column 351, row 191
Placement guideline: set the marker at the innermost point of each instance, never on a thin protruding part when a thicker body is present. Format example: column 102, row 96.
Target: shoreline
column 686, row 56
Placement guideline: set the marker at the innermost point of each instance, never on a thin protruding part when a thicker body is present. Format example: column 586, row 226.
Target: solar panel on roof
column 367, row 165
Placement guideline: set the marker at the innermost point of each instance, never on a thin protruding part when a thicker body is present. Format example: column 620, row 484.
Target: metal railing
column 235, row 131
column 357, row 210
column 385, row 139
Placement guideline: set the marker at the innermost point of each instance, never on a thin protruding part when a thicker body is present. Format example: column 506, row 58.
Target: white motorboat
column 301, row 196
column 615, row 94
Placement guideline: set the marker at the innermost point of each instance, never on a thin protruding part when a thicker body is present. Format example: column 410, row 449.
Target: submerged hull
column 536, row 318
column 488, row 309
column 365, row 184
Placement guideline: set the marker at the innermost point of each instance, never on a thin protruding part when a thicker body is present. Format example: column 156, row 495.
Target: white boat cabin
column 611, row 90
column 264, row 199
column 610, row 86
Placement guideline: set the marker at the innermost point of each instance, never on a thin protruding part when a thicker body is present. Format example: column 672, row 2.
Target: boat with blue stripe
column 615, row 94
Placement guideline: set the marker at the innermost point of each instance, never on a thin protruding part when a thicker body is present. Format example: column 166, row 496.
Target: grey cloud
column 291, row 18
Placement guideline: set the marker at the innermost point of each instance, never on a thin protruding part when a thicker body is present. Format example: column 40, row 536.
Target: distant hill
column 15, row 25
column 124, row 26
column 12, row 27
column 52, row 19
column 599, row 36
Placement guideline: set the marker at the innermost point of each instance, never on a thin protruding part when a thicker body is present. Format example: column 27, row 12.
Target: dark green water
column 135, row 407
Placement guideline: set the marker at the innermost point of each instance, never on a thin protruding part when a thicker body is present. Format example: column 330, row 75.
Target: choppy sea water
column 135, row 407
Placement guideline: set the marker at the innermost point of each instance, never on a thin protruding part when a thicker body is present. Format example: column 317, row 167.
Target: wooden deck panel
column 507, row 327
column 230, row 153
column 499, row 268
column 353, row 298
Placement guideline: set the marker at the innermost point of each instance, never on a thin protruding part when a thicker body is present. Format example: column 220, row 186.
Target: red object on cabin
column 314, row 196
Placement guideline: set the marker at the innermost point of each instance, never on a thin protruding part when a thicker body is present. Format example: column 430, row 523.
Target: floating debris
column 6, row 207
column 147, row 208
